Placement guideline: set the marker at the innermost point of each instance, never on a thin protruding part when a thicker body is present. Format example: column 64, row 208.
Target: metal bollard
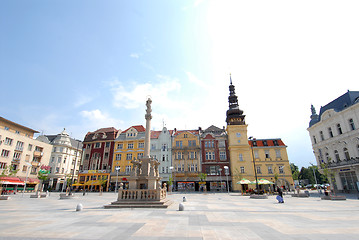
column 184, row 199
column 181, row 207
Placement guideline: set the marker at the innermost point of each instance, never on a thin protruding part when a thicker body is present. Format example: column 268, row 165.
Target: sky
column 84, row 65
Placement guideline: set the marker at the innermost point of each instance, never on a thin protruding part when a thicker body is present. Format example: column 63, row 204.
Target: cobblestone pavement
column 206, row 216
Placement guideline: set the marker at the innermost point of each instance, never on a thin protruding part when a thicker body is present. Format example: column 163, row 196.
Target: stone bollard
column 79, row 207
column 184, row 199
column 181, row 207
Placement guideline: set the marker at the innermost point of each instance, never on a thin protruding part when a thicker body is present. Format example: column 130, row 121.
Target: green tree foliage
column 202, row 176
column 307, row 173
column 8, row 172
column 295, row 171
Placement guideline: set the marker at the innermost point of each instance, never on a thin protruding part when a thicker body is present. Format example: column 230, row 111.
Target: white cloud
column 135, row 55
column 95, row 119
column 192, row 78
column 134, row 95
column 82, row 100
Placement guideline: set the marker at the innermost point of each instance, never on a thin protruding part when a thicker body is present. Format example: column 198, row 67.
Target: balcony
column 344, row 163
column 20, row 149
column 38, row 154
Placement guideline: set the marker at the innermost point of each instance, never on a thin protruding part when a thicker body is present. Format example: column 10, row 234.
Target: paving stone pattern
column 206, row 216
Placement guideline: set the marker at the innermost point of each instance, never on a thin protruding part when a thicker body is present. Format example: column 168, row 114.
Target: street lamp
column 172, row 187
column 254, row 163
column 27, row 175
column 226, row 171
column 220, row 176
column 315, row 177
column 117, row 168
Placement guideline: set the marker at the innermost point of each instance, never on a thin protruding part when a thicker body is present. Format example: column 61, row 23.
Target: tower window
column 351, row 124
column 339, row 129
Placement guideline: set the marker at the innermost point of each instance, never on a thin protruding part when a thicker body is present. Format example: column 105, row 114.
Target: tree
column 295, row 171
column 329, row 174
column 202, row 177
column 7, row 172
column 43, row 175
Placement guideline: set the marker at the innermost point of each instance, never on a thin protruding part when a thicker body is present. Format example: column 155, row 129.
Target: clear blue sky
column 84, row 65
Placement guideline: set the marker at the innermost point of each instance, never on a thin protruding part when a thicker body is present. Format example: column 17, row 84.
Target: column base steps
column 140, row 204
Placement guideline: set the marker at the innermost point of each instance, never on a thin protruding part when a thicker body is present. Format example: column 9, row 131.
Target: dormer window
column 265, row 143
column 255, row 143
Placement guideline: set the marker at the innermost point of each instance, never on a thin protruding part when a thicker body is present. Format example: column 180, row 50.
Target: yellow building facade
column 129, row 145
column 186, row 158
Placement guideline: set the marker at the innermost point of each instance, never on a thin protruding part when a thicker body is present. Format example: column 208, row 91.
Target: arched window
column 336, row 153
column 346, row 153
column 321, row 135
column 358, row 149
column 351, row 124
column 339, row 129
column 327, row 156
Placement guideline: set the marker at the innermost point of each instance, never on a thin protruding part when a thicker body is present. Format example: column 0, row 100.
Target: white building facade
column 161, row 149
column 65, row 159
column 335, row 140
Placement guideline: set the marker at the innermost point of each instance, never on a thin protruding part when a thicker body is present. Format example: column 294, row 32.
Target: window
column 192, row 155
column 57, row 170
column 240, row 157
column 321, row 135
column 256, row 154
column 55, row 149
column 179, row 155
column 210, row 156
column 88, row 146
column 19, row 146
column 97, row 145
column 129, row 156
column 6, row 128
column 222, row 155
column 265, row 143
column 327, row 156
column 346, row 153
column 277, row 153
column 119, row 146
column 153, row 146
column 339, row 128
column 314, row 140
column 118, row 157
column 209, row 144
column 17, row 156
column 192, row 168
column 24, row 168
column 330, row 132
column 185, row 135
column 87, row 156
column 259, row 170
column 2, row 165
column 281, row 169
column 267, row 153
column 336, row 153
column 8, row 141
column 108, row 144
column 61, row 149
column 27, row 158
column 351, row 124
column 166, row 169
column 242, row 169
column 179, row 144
column 270, row 170
column 141, row 145
column 62, row 170
column 106, row 155
column 163, row 158
column 254, row 143
column 128, row 169
column 53, row 159
column 358, row 148
column 275, row 143
column 192, row 143
column 5, row 153
column 29, row 148
column 139, row 155
column 59, row 159
column 164, row 147
column 130, row 145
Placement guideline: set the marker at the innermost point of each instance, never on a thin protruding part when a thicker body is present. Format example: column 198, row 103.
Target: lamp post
column 172, row 187
column 220, row 176
column 254, row 163
column 226, row 171
column 27, row 175
column 117, row 168
column 315, row 177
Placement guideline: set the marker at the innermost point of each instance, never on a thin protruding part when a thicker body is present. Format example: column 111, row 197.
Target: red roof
column 139, row 128
column 270, row 142
column 155, row 134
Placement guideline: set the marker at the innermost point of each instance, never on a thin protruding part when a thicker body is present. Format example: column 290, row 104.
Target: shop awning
column 92, row 182
column 30, row 180
column 11, row 180
column 77, row 184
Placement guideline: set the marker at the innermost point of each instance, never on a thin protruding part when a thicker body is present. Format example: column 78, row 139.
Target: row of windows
column 338, row 129
column 97, row 145
column 190, row 167
column 130, row 145
column 269, row 169
column 65, row 150
column 16, row 131
column 211, row 155
column 336, row 154
column 191, row 143
column 19, row 145
column 266, row 153
column 180, row 155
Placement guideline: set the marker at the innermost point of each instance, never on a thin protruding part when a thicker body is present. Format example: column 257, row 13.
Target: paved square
column 206, row 216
